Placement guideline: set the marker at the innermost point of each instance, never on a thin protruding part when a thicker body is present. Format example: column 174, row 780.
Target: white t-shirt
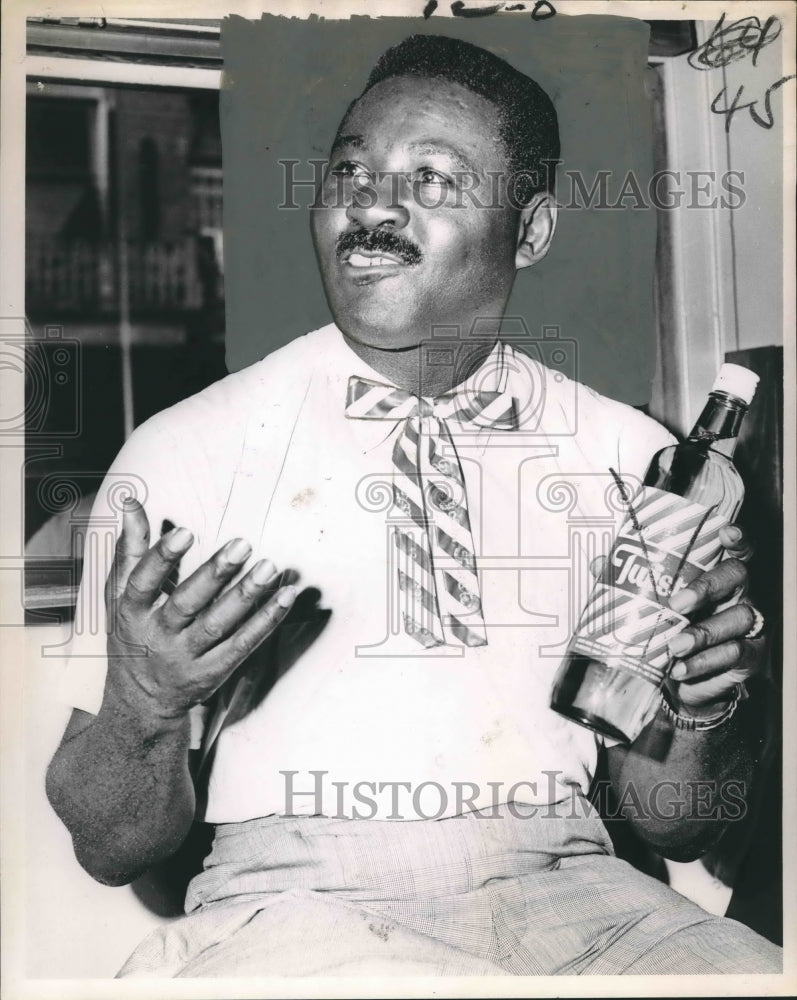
column 322, row 718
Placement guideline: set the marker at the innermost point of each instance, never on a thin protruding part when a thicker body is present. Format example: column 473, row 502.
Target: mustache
column 379, row 241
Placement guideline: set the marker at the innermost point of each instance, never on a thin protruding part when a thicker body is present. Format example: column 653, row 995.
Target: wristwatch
column 702, row 724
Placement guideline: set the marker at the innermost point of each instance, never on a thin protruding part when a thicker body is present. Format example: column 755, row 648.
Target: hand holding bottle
column 666, row 569
column 713, row 653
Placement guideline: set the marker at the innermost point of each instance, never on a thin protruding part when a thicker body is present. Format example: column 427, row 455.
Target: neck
column 414, row 370
column 719, row 423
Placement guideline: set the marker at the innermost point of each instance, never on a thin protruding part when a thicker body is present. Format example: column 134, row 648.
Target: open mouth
column 364, row 267
column 367, row 258
column 363, row 261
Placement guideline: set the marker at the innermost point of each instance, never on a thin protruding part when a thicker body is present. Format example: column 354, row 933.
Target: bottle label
column 664, row 542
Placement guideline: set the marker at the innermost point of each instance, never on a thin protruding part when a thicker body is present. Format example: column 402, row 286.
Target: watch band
column 700, row 725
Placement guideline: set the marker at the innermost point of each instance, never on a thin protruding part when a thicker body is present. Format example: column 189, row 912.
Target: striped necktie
column 437, row 572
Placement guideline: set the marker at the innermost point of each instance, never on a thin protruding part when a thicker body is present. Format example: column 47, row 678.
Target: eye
column 426, row 175
column 348, row 168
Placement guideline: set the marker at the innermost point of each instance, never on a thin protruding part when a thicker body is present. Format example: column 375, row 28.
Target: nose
column 380, row 201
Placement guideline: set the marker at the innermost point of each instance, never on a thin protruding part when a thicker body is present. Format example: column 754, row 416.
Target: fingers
column 195, row 593
column 735, row 542
column 134, row 540
column 714, row 657
column 226, row 614
column 736, row 546
column 711, row 587
column 150, row 572
column 727, row 656
column 131, row 545
column 717, row 646
column 223, row 658
column 733, row 623
column 707, row 681
column 706, row 696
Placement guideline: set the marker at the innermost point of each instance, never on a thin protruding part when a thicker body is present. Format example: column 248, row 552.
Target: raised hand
column 167, row 653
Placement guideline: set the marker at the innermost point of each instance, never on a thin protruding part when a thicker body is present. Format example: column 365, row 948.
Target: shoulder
column 601, row 431
column 562, row 407
column 621, row 418
column 269, row 386
column 623, row 433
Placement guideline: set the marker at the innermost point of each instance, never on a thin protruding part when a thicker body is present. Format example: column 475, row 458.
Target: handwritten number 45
column 729, row 110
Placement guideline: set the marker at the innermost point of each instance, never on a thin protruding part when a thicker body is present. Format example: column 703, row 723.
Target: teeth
column 360, row 260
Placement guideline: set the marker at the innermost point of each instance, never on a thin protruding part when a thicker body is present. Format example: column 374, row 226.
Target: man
column 386, row 778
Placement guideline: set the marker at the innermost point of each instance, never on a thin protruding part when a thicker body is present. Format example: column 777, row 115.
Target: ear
column 535, row 229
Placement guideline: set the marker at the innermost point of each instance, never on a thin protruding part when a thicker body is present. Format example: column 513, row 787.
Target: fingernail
column 678, row 672
column 129, row 502
column 286, row 596
column 263, row 571
column 681, row 644
column 178, row 539
column 733, row 533
column 683, row 601
column 237, row 550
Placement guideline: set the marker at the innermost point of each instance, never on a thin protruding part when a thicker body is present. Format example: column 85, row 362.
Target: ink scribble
column 736, row 41
column 542, row 10
column 729, row 43
column 458, row 9
column 729, row 110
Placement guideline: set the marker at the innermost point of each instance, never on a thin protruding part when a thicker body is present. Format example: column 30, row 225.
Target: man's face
column 402, row 247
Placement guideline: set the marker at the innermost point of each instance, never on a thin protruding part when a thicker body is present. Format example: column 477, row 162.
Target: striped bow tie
column 437, row 575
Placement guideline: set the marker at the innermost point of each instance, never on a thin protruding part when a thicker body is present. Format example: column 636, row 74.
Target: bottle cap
column 737, row 381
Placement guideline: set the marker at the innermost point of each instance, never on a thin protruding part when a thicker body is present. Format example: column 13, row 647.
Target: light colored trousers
column 468, row 895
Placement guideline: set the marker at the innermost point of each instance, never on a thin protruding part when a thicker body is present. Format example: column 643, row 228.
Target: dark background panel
column 288, row 83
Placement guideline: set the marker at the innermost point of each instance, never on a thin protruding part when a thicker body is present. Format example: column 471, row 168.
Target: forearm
column 679, row 788
column 123, row 789
column 121, row 781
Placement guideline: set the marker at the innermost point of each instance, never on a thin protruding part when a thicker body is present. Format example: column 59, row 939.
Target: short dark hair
column 527, row 120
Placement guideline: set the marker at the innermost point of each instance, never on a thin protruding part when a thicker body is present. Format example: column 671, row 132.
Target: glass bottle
column 618, row 658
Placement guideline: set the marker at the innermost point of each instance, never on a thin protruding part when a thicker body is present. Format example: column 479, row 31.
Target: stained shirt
column 340, row 712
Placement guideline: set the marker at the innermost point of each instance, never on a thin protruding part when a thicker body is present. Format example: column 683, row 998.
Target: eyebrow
column 428, row 147
column 352, row 141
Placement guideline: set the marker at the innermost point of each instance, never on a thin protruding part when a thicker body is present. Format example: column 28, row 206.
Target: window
column 124, row 263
